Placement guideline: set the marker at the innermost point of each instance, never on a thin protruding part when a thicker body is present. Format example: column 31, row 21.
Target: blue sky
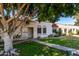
column 67, row 20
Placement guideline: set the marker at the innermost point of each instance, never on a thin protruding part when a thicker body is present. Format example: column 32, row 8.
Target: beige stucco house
column 37, row 29
column 34, row 29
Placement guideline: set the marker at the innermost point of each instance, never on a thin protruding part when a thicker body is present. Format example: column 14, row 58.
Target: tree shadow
column 35, row 49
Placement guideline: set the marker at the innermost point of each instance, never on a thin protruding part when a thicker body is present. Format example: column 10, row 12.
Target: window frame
column 44, row 30
column 39, row 30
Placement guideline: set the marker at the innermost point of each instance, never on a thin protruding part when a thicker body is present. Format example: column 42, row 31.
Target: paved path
column 76, row 36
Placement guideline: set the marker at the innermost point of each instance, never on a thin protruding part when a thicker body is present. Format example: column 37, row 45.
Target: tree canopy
column 50, row 11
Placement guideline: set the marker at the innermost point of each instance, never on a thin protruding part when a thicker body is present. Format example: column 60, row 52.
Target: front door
column 30, row 32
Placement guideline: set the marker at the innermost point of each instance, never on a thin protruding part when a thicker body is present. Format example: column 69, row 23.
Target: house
column 34, row 29
column 37, row 29
column 65, row 29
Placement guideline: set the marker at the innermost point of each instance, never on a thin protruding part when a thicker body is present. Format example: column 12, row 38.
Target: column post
column 67, row 32
column 63, row 31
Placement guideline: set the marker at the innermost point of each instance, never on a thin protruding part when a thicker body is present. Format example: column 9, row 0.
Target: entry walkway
column 76, row 36
column 67, row 49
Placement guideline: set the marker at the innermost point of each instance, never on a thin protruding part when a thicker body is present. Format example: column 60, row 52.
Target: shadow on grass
column 35, row 49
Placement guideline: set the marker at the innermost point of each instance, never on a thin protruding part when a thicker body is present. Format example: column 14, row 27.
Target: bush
column 63, row 34
column 17, row 36
column 0, row 37
column 51, row 35
column 38, row 37
column 59, row 32
column 77, row 31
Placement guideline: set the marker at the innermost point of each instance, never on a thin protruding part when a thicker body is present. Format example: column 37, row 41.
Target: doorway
column 30, row 32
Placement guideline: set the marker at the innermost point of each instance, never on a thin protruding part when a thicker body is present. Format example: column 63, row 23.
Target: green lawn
column 35, row 49
column 72, row 42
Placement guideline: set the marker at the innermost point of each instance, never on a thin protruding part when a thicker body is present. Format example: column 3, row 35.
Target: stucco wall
column 71, row 29
column 48, row 29
column 35, row 25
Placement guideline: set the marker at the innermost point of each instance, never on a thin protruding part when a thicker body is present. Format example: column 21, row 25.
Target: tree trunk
column 8, row 46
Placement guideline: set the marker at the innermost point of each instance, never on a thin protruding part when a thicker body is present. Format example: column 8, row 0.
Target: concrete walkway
column 76, row 36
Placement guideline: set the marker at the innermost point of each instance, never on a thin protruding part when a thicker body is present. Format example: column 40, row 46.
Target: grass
column 72, row 42
column 35, row 49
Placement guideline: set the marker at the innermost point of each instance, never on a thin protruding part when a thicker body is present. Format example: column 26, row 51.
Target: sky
column 67, row 20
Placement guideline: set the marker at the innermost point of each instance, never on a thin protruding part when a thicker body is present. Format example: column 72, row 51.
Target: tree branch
column 17, row 13
column 18, row 28
column 19, row 6
column 2, row 11
column 26, row 9
column 2, row 14
column 13, row 12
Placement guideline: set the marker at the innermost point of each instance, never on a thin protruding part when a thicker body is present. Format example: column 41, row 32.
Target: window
column 44, row 30
column 39, row 30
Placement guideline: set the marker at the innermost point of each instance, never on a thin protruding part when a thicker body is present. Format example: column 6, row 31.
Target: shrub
column 77, row 31
column 17, row 36
column 51, row 35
